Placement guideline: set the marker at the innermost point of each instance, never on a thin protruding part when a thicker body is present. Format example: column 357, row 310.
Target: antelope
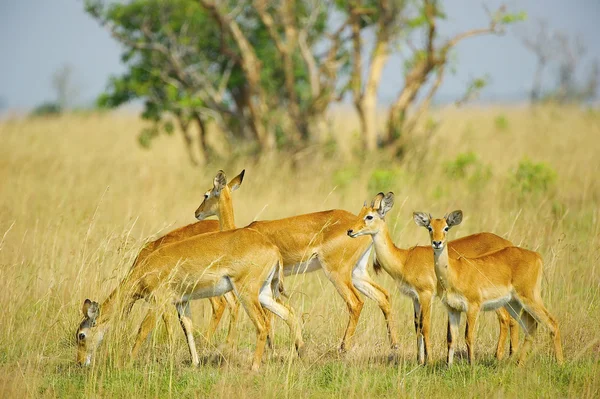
column 509, row 278
column 211, row 264
column 316, row 241
column 413, row 269
column 218, row 304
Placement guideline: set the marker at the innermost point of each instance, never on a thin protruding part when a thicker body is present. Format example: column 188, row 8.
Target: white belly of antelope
column 407, row 290
column 222, row 286
column 455, row 301
column 496, row 303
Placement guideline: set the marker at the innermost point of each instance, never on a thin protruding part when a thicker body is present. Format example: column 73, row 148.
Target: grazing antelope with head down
column 316, row 241
column 212, row 264
column 510, row 277
column 414, row 272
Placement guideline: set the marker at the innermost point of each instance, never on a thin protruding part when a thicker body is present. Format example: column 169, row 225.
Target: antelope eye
column 446, row 228
column 205, row 196
column 81, row 336
column 429, row 228
column 369, row 217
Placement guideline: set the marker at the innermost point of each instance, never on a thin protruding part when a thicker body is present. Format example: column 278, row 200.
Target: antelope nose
column 437, row 244
column 350, row 232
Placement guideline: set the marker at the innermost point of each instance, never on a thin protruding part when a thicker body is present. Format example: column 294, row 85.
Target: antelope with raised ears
column 212, row 264
column 218, row 304
column 413, row 269
column 316, row 241
column 509, row 278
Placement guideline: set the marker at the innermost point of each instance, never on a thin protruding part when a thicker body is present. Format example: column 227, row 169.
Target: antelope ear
column 219, row 181
column 421, row 219
column 376, row 202
column 386, row 204
column 236, row 182
column 454, row 218
column 91, row 309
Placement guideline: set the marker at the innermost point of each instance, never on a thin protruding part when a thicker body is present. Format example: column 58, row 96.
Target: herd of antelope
column 229, row 265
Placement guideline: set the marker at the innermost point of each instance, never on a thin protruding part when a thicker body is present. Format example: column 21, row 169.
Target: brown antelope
column 414, row 272
column 218, row 304
column 319, row 240
column 240, row 260
column 510, row 277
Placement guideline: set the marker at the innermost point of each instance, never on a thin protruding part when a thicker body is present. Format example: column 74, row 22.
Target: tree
column 543, row 47
column 266, row 72
column 385, row 16
column 566, row 54
column 65, row 87
column 431, row 59
column 227, row 63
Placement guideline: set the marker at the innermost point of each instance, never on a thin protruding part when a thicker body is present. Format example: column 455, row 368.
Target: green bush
column 344, row 176
column 501, row 123
column 384, row 179
column 468, row 167
column 47, row 109
column 532, row 177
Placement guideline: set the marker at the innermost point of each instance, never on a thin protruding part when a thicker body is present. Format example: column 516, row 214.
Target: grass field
column 78, row 198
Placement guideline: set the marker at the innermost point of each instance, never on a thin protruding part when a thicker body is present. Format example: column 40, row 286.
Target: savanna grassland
column 79, row 198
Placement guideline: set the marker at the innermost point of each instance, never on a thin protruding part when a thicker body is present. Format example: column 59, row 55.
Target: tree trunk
column 379, row 58
column 188, row 141
column 397, row 113
column 537, row 82
column 202, row 146
column 367, row 116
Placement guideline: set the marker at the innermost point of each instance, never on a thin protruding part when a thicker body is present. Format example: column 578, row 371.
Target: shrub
column 384, row 179
column 47, row 109
column 501, row 122
column 468, row 167
column 532, row 177
column 344, row 176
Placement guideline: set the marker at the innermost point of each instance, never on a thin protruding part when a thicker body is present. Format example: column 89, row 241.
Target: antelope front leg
column 452, row 335
column 425, row 323
column 185, row 318
column 472, row 316
column 418, row 331
column 372, row 290
column 353, row 301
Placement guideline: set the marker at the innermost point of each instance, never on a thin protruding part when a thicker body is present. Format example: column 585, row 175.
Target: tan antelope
column 316, row 241
column 414, row 272
column 218, row 304
column 212, row 264
column 509, row 278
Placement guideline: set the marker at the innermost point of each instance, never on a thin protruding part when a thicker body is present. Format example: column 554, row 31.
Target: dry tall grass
column 78, row 198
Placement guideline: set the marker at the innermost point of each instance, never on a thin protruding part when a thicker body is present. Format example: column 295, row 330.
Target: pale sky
column 39, row 36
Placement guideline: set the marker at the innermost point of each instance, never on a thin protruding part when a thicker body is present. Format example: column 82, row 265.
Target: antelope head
column 219, row 195
column 438, row 228
column 371, row 218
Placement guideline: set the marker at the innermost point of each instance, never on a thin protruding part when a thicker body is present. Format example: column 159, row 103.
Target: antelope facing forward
column 413, row 269
column 202, row 266
column 510, row 277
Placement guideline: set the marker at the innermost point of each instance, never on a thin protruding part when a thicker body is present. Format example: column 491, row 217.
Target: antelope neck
column 226, row 219
column 386, row 250
column 441, row 265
